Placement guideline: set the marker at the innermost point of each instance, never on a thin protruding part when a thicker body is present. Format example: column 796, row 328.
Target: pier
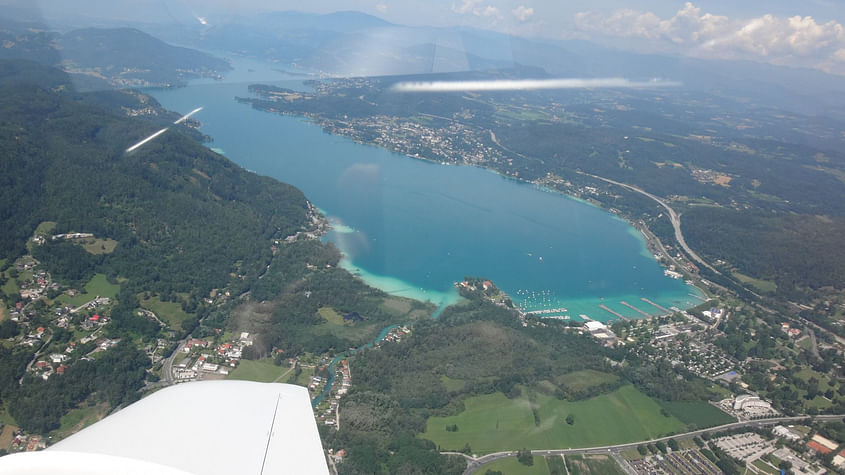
column 547, row 311
column 607, row 309
column 634, row 308
column 658, row 306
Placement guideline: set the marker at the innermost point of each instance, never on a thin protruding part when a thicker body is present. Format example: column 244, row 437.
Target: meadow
column 492, row 422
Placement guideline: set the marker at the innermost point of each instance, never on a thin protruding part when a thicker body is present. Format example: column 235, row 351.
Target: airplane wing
column 208, row 427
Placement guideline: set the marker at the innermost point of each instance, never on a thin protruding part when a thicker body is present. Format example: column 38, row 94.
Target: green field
column 511, row 466
column 765, row 286
column 330, row 315
column 263, row 371
column 169, row 312
column 10, row 287
column 492, row 423
column 593, row 465
column 697, row 414
column 580, row 380
column 97, row 286
column 97, row 246
column 78, row 419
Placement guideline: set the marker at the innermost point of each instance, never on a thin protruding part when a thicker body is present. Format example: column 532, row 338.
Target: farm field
column 697, row 414
column 511, row 466
column 492, row 422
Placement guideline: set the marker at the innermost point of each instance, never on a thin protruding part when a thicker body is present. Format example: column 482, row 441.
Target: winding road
column 673, row 216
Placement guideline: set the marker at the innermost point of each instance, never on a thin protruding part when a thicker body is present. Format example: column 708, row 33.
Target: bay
column 414, row 228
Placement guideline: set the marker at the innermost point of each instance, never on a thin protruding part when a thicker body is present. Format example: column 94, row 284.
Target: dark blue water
column 414, row 228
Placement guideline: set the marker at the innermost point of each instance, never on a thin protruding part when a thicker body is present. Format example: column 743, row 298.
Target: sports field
column 492, row 422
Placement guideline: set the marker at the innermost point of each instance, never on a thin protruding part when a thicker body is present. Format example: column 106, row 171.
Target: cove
column 414, row 228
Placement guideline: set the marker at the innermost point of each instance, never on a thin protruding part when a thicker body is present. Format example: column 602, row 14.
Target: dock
column 698, row 297
column 634, row 308
column 547, row 311
column 607, row 309
column 664, row 309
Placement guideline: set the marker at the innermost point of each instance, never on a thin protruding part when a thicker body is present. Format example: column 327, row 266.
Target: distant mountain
column 100, row 58
column 127, row 54
column 354, row 44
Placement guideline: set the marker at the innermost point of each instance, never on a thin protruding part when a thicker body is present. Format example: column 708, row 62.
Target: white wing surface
column 210, row 427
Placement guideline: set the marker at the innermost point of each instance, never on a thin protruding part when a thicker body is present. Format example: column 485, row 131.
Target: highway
column 673, row 216
column 475, row 463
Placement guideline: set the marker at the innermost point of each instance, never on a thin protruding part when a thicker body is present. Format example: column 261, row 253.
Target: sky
column 805, row 33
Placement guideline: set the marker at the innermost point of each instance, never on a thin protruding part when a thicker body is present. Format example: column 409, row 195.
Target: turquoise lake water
column 413, row 228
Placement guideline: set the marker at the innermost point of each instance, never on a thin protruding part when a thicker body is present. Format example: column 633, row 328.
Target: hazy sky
column 790, row 32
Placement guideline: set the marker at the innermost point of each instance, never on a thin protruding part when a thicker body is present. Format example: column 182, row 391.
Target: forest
column 479, row 348
column 173, row 206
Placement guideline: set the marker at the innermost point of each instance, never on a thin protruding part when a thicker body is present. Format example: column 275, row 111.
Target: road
column 673, row 216
column 167, row 366
column 475, row 463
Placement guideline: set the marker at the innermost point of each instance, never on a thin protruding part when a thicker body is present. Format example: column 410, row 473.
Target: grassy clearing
column 593, row 464
column 511, row 466
column 169, row 312
column 331, row 315
column 580, row 380
column 262, row 371
column 45, row 228
column 2, row 310
column 697, row 414
column 97, row 286
column 766, row 286
column 80, row 418
column 304, row 378
column 97, row 245
column 5, row 417
column 492, row 423
column 11, row 286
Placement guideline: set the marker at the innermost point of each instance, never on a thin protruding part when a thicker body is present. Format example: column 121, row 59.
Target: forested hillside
column 104, row 57
column 182, row 215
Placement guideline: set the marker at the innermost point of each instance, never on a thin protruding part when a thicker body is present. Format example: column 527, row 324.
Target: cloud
column 528, row 84
column 381, row 7
column 477, row 8
column 797, row 40
column 523, row 13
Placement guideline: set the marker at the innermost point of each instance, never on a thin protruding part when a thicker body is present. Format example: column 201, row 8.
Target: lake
column 414, row 228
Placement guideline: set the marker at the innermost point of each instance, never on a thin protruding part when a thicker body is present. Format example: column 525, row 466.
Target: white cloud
column 475, row 7
column 523, row 13
column 797, row 40
column 381, row 7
